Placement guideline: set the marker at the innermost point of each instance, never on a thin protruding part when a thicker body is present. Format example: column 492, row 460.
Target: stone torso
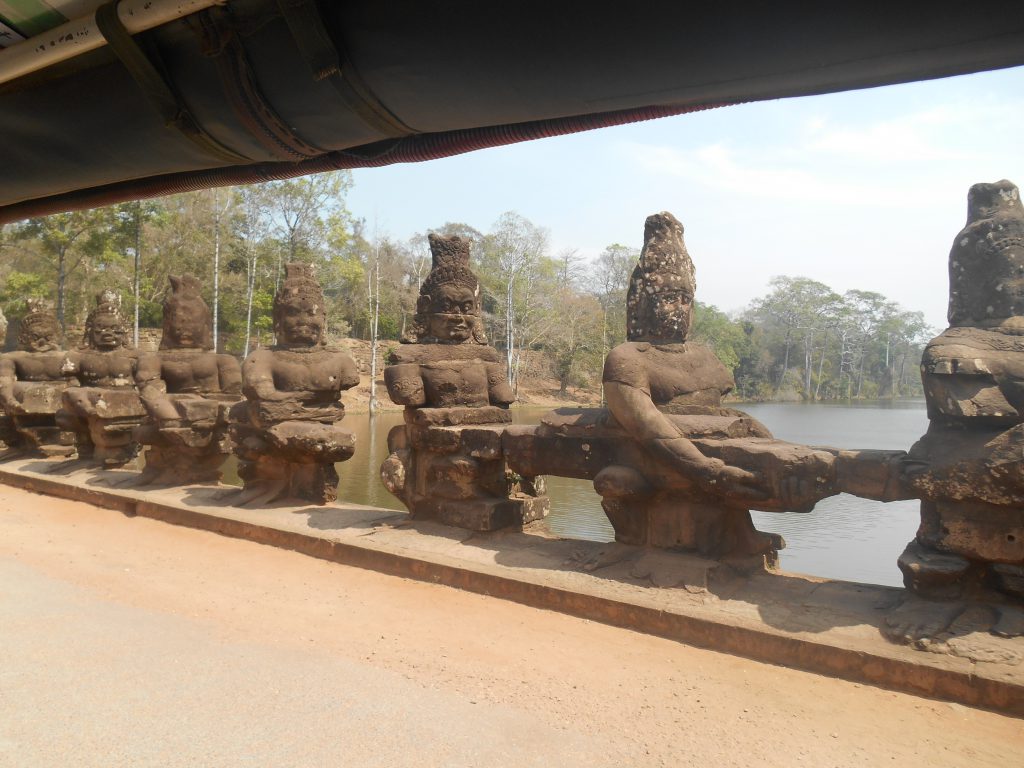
column 190, row 372
column 453, row 374
column 107, row 369
column 674, row 375
column 322, row 372
column 431, row 353
column 38, row 366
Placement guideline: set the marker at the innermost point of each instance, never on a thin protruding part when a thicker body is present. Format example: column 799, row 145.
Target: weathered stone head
column 105, row 327
column 986, row 263
column 300, row 315
column 186, row 316
column 659, row 304
column 39, row 329
column 448, row 309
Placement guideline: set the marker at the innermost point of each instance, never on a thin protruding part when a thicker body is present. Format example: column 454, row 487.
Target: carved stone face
column 453, row 312
column 300, row 322
column 107, row 333
column 39, row 338
column 186, row 327
column 668, row 314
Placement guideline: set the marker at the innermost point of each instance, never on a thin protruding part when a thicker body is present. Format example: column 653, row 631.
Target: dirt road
column 129, row 642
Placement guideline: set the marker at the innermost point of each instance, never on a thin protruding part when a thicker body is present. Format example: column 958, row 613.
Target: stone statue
column 969, row 471
column 673, row 467
column 285, row 432
column 104, row 408
column 32, row 381
column 186, row 388
column 446, row 461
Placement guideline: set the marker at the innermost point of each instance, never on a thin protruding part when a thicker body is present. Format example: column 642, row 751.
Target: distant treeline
column 554, row 315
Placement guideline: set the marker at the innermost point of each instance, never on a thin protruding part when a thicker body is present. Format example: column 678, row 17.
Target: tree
column 609, row 281
column 64, row 241
column 573, row 338
column 726, row 337
column 221, row 203
column 865, row 312
column 296, row 208
column 906, row 333
column 251, row 232
column 797, row 309
column 513, row 254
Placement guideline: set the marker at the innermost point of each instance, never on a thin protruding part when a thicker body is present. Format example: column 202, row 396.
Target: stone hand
column 735, row 481
column 799, row 494
column 11, row 406
column 79, row 403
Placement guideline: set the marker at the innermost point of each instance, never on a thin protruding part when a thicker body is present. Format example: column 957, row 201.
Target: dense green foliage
column 552, row 315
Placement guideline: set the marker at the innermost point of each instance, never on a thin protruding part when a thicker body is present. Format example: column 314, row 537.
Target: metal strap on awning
column 155, row 86
column 328, row 63
column 220, row 41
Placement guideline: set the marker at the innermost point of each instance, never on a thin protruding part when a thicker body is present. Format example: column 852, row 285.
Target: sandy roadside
column 131, row 642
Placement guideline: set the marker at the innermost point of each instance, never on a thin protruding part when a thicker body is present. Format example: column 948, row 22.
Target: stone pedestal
column 105, row 435
column 281, row 457
column 971, row 537
column 193, row 449
column 36, row 425
column 447, row 464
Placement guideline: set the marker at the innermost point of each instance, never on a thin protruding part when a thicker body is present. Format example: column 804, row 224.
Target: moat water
column 843, row 538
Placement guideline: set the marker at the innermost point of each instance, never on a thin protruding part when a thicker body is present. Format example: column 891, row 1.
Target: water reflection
column 843, row 538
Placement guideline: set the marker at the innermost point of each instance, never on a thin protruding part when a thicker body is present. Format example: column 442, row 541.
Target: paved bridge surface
column 127, row 641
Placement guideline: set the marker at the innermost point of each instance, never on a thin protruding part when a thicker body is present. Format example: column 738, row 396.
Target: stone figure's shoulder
column 336, row 350
column 261, row 356
column 704, row 369
column 435, row 353
column 627, row 363
column 701, row 356
column 341, row 357
column 405, row 353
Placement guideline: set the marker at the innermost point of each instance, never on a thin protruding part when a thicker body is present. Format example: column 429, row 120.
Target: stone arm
column 258, row 380
column 348, row 372
column 498, row 390
column 405, row 384
column 152, row 390
column 230, row 373
column 8, row 375
column 71, row 367
column 634, row 410
column 75, row 398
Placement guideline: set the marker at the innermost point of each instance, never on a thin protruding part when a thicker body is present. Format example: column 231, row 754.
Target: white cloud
column 931, row 135
column 909, row 160
column 720, row 167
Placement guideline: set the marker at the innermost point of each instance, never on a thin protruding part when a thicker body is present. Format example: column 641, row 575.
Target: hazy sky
column 864, row 189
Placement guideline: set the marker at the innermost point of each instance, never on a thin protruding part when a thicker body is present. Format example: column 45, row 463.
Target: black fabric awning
column 278, row 88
